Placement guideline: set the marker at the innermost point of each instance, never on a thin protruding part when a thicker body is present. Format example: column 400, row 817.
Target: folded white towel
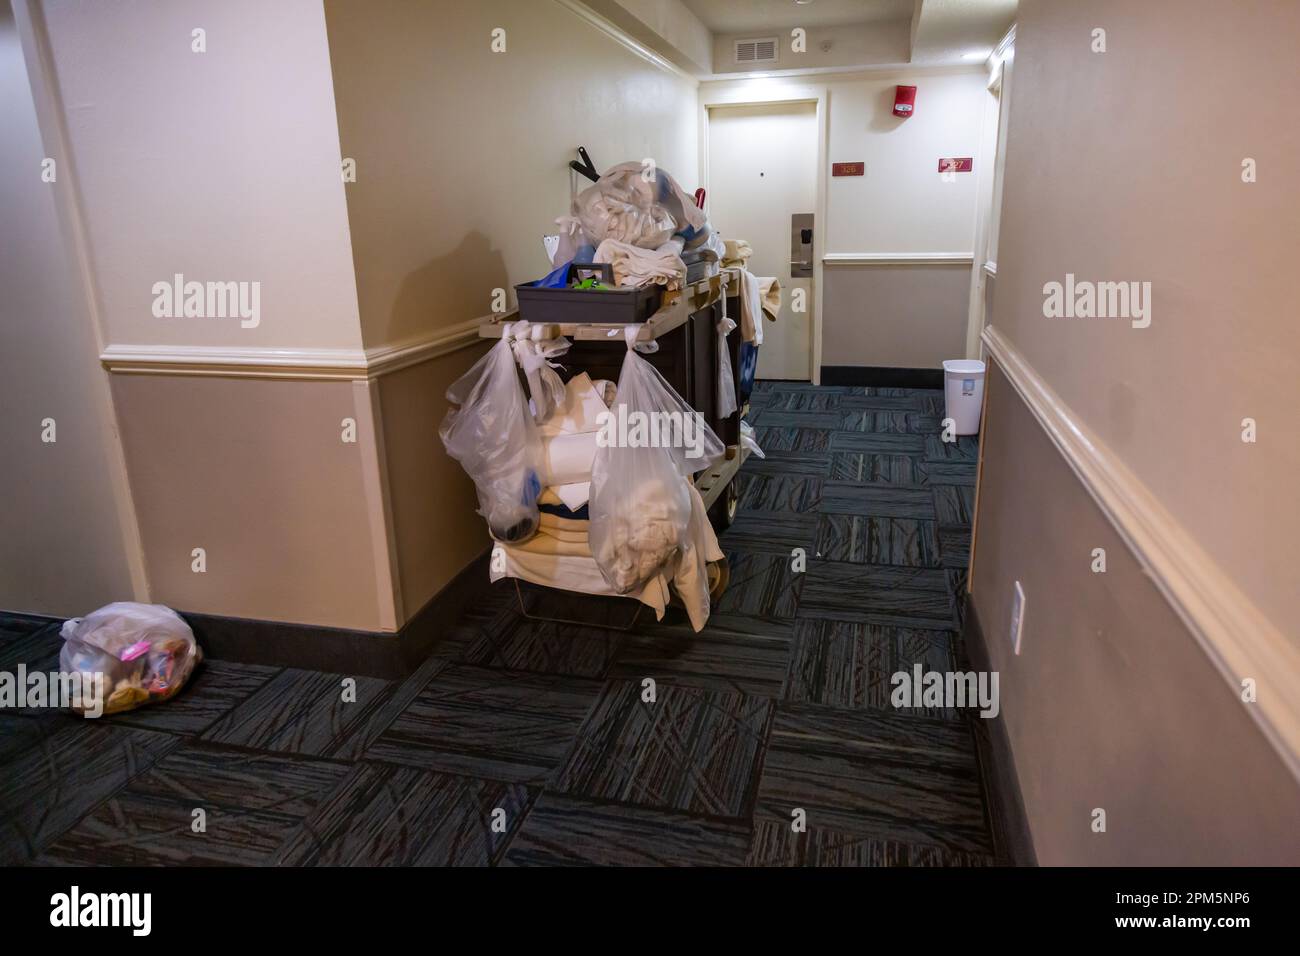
column 634, row 266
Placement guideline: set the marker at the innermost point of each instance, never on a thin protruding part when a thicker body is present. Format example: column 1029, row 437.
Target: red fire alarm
column 904, row 100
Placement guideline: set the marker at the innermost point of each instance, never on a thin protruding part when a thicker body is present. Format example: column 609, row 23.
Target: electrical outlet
column 1017, row 616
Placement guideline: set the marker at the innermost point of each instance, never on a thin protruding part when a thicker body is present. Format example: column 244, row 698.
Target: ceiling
column 842, row 35
column 946, row 29
column 743, row 16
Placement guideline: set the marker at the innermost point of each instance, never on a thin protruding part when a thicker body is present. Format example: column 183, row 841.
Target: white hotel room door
column 762, row 170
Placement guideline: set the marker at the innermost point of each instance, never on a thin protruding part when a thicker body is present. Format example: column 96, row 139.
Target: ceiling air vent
column 756, row 51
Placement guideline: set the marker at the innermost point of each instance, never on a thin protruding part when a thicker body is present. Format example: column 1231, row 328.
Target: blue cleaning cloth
column 556, row 279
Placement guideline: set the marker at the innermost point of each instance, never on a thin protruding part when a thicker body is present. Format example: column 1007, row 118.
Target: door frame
column 746, row 94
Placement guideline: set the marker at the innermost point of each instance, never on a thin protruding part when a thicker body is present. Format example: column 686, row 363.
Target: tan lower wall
column 1111, row 703
column 904, row 316
column 434, row 521
column 256, row 473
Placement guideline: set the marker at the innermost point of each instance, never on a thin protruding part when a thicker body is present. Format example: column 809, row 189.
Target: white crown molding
column 252, row 362
column 1237, row 637
column 897, row 258
column 283, row 363
column 871, row 71
column 625, row 39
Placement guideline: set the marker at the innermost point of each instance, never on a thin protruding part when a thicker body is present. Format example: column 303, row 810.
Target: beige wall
column 899, row 316
column 435, row 525
column 62, row 547
column 894, row 315
column 257, row 474
column 1113, row 702
column 222, row 166
column 1110, row 703
column 462, row 154
column 902, row 204
column 1092, row 189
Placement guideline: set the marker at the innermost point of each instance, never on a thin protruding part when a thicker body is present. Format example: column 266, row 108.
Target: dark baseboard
column 876, row 376
column 1013, row 841
column 342, row 650
column 332, row 649
column 28, row 622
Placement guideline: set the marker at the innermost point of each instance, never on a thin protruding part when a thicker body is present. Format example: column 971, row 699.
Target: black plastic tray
column 615, row 306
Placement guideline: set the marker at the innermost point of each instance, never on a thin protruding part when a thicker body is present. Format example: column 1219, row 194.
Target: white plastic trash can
column 963, row 393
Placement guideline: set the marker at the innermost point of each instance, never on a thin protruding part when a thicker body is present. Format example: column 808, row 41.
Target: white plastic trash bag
column 748, row 441
column 726, row 379
column 650, row 445
column 494, row 438
column 145, row 652
column 637, row 204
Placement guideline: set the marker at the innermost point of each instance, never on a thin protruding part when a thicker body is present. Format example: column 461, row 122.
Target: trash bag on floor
column 493, row 436
column 146, row 653
column 649, row 448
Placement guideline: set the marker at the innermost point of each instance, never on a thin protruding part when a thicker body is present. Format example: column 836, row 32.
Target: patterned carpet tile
column 875, row 467
column 568, row 831
column 304, row 712
column 957, row 579
column 687, row 749
column 947, row 472
column 385, row 815
column 803, row 399
column 873, row 443
column 963, row 449
column 872, row 540
column 878, row 594
column 889, row 422
column 35, row 646
column 745, row 655
column 510, row 726
column 778, row 493
column 771, row 417
column 851, row 666
column 762, row 586
column 792, row 439
column 814, row 464
column 954, row 506
column 954, row 547
column 252, row 805
column 905, row 403
column 64, row 768
column 771, row 532
column 215, row 688
column 885, row 501
column 778, row 843
column 544, row 647
column 866, row 773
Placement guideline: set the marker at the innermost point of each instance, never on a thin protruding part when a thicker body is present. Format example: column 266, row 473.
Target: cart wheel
column 719, row 577
column 723, row 511
column 732, row 497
